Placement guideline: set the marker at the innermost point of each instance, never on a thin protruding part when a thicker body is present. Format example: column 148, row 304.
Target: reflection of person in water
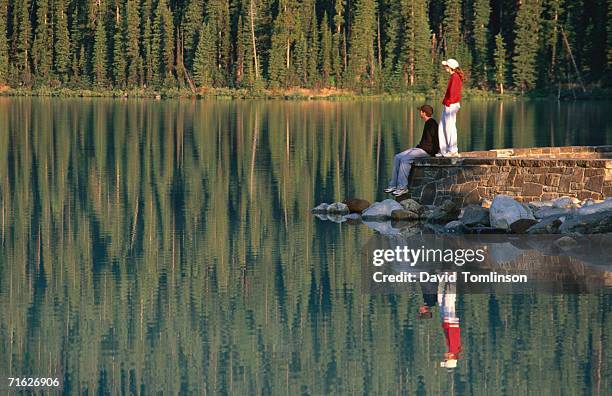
column 446, row 294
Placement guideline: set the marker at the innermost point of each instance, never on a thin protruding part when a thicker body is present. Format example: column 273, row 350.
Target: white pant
column 447, row 129
column 447, row 295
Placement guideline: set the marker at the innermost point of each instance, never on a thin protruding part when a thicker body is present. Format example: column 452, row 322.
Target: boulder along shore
column 565, row 215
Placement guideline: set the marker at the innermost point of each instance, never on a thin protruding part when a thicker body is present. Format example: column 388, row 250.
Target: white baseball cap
column 452, row 63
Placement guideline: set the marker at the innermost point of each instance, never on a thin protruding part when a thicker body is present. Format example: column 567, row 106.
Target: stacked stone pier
column 526, row 174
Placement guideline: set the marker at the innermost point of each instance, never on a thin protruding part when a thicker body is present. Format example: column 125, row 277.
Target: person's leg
column 451, row 128
column 406, row 165
column 442, row 133
column 396, row 164
column 395, row 172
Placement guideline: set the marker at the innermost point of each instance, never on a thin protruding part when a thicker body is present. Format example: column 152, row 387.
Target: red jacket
column 453, row 91
column 452, row 332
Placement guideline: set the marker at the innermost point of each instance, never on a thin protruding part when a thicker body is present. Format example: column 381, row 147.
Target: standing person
column 447, row 297
column 447, row 131
column 428, row 146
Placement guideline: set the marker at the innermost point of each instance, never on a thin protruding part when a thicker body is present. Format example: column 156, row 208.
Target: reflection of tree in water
column 167, row 245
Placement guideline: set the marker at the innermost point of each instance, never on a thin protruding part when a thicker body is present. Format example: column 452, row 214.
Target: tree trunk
column 255, row 60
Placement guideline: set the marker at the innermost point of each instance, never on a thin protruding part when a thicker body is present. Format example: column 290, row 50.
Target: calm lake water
column 167, row 246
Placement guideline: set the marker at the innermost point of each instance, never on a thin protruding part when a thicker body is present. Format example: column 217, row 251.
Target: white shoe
column 439, row 155
column 400, row 191
column 389, row 190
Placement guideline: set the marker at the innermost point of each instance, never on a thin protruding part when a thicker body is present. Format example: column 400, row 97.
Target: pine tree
column 238, row 73
column 313, row 51
column 393, row 45
column 219, row 18
column 298, row 73
column 42, row 48
column 552, row 14
column 326, row 52
column 99, row 50
column 416, row 61
column 191, row 29
column 62, row 41
column 452, row 28
column 147, row 41
column 204, row 60
column 609, row 29
column 500, row 62
column 482, row 13
column 361, row 48
column 338, row 43
column 132, row 42
column 281, row 43
column 163, row 45
column 526, row 44
column 119, row 62
column 22, row 38
column 4, row 54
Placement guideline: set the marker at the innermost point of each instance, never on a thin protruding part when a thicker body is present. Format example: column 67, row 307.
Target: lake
column 168, row 246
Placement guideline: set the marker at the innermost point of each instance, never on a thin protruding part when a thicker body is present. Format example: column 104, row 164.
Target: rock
column 353, row 218
column 474, row 215
column 456, row 227
column 426, row 213
column 337, row 208
column 382, row 227
column 549, row 225
column 566, row 243
column 485, row 230
column 336, row 218
column 595, row 223
column 403, row 214
column 444, row 213
column 321, row 208
column 505, row 211
column 356, row 205
column 435, row 228
column 522, row 225
column 549, row 211
column 381, row 210
column 565, row 202
column 596, row 208
column 590, row 201
column 540, row 204
column 485, row 203
column 413, row 206
column 503, row 252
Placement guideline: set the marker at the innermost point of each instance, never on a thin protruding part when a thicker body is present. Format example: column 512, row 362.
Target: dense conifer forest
column 358, row 45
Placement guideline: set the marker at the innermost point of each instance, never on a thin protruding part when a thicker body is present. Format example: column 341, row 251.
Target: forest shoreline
column 292, row 94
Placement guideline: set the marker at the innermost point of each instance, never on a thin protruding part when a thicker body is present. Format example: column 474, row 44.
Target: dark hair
column 424, row 315
column 460, row 73
column 427, row 109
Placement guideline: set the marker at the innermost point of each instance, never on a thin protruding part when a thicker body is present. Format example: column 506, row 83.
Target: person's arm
column 447, row 96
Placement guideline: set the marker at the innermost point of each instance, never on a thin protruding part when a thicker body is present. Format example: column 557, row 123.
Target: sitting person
column 427, row 147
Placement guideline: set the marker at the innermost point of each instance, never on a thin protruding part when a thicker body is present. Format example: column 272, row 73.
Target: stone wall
column 531, row 174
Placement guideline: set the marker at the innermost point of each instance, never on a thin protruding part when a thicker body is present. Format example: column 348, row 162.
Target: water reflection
column 153, row 246
column 445, row 293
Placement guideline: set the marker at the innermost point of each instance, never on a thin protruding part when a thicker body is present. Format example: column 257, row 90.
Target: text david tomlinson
column 468, row 277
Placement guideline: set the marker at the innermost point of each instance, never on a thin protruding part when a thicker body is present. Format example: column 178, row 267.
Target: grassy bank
column 293, row 94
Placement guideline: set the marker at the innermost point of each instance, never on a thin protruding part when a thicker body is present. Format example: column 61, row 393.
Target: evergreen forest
column 357, row 45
